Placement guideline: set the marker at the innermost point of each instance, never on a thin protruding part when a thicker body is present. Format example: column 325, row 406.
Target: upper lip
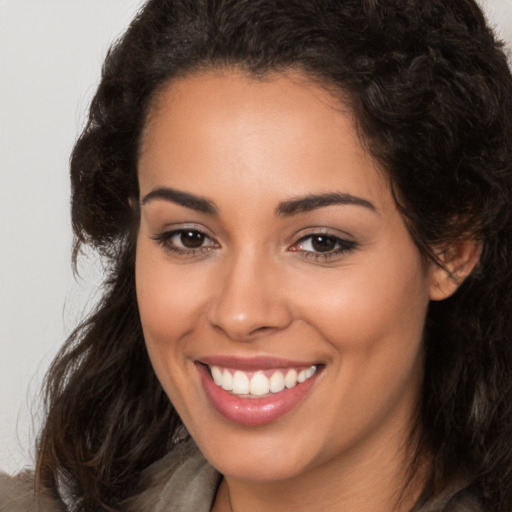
column 254, row 363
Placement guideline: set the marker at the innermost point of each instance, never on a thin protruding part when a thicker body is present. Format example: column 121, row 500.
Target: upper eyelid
column 341, row 241
column 322, row 233
column 345, row 243
column 325, row 231
column 303, row 234
column 169, row 233
column 178, row 228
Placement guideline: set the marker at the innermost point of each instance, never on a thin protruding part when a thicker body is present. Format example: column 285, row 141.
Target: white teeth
column 291, row 378
column 217, row 375
column 276, row 382
column 227, row 381
column 240, row 383
column 259, row 384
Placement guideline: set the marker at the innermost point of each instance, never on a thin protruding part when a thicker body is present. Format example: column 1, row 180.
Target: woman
column 304, row 207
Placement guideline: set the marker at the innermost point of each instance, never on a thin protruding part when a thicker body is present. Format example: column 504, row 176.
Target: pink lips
column 252, row 411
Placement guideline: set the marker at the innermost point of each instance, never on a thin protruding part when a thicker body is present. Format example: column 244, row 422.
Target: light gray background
column 50, row 58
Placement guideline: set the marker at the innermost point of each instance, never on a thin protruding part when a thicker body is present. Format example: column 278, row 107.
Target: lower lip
column 253, row 411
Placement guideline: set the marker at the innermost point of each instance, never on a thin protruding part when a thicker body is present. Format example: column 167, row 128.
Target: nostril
column 241, row 333
column 262, row 329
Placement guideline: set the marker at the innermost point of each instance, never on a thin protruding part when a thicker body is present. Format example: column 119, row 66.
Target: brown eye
column 323, row 247
column 186, row 242
column 323, row 243
column 192, row 239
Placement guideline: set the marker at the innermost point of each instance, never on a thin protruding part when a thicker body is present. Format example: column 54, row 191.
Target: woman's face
column 271, row 254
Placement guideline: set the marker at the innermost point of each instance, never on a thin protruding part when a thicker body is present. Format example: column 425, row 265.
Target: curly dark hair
column 432, row 95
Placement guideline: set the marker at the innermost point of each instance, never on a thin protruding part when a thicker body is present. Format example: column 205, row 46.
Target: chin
column 257, row 457
column 262, row 470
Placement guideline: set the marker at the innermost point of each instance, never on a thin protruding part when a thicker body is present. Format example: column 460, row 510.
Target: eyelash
column 341, row 246
column 165, row 240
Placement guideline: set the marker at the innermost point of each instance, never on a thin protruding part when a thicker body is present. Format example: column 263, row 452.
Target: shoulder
column 182, row 481
column 459, row 496
column 17, row 494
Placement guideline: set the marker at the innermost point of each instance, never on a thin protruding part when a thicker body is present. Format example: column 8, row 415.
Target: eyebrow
column 286, row 208
column 198, row 203
column 312, row 202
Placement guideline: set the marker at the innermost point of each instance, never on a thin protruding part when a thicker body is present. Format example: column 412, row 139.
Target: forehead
column 232, row 96
column 283, row 130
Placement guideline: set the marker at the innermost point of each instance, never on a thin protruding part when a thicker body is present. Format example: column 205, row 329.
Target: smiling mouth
column 260, row 383
column 255, row 392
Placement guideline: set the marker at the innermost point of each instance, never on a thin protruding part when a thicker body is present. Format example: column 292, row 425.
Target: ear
column 458, row 260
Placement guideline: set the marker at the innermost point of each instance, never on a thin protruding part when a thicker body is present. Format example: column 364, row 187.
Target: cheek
column 373, row 322
column 371, row 309
column 169, row 301
column 168, row 305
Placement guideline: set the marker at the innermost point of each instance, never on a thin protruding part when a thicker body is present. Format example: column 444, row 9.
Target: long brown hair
column 432, row 94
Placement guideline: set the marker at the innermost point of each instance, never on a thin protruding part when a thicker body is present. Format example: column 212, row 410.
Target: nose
column 250, row 299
